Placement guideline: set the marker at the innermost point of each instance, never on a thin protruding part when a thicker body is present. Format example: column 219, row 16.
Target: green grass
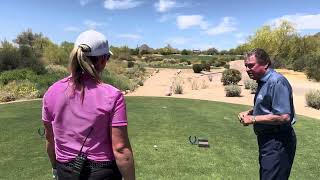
column 167, row 123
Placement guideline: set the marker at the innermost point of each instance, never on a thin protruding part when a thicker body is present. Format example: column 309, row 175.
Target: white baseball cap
column 96, row 41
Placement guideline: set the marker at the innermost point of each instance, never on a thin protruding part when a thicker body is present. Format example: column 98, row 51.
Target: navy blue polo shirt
column 273, row 96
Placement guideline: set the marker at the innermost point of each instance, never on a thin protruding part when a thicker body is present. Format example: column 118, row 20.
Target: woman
column 85, row 120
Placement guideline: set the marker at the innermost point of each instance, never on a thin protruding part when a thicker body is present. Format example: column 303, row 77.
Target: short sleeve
column 46, row 114
column 119, row 114
column 281, row 99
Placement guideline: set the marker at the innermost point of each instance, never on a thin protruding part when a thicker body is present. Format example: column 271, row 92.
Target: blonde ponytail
column 80, row 64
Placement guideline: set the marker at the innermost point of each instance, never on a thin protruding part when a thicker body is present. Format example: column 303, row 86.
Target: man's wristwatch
column 254, row 120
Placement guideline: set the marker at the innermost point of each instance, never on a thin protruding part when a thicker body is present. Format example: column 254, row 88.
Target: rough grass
column 166, row 123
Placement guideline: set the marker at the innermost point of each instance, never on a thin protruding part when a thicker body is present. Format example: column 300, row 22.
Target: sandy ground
column 158, row 85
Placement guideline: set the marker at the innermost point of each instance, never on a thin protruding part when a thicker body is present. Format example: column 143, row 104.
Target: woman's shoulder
column 109, row 88
column 60, row 84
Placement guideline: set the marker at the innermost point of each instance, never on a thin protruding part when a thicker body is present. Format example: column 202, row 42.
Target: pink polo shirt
column 103, row 106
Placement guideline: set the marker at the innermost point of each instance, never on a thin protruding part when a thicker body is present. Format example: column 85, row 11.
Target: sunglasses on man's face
column 107, row 56
column 250, row 65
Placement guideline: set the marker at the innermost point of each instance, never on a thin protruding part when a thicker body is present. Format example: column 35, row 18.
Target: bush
column 6, row 96
column 150, row 58
column 206, row 67
column 253, row 88
column 232, row 91
column 9, row 56
column 130, row 64
column 19, row 89
column 247, row 83
column 299, row 64
column 194, row 84
column 16, row 75
column 119, row 81
column 251, row 84
column 177, row 85
column 134, row 72
column 56, row 69
column 219, row 63
column 197, row 68
column 313, row 66
column 227, row 66
column 313, row 99
column 230, row 76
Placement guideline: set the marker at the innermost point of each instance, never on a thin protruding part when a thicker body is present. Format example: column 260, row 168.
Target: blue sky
column 197, row 24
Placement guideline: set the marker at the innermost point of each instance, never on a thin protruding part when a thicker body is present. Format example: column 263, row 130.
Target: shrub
column 119, row 81
column 232, row 91
column 15, row 75
column 177, row 86
column 130, row 64
column 150, row 58
column 247, row 83
column 170, row 61
column 253, row 88
column 210, row 77
column 204, row 85
column 313, row 99
column 140, row 82
column 230, row 76
column 313, row 66
column 6, row 96
column 194, row 84
column 219, row 63
column 299, row 64
column 251, row 84
column 20, row 89
column 206, row 67
column 9, row 56
column 227, row 66
column 56, row 69
column 197, row 68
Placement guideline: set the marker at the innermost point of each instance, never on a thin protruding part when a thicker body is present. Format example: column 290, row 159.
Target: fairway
column 167, row 123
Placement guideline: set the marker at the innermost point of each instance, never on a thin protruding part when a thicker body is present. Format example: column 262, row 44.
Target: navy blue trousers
column 103, row 173
column 276, row 154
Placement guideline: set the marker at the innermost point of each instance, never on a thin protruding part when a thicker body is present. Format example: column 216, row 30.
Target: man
column 272, row 117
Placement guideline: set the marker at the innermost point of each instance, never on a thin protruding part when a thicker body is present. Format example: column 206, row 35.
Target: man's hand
column 245, row 118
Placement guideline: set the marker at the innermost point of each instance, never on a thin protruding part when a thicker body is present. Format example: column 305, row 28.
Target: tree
column 186, row 52
column 36, row 41
column 280, row 42
column 211, row 51
column 9, row 56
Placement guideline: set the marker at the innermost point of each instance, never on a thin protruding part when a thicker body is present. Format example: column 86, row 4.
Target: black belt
column 273, row 130
column 92, row 164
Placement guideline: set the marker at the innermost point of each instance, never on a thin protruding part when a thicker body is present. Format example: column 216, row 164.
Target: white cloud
column 300, row 21
column 178, row 40
column 130, row 36
column 121, row 4
column 84, row 2
column 165, row 5
column 227, row 25
column 187, row 21
column 92, row 24
column 72, row 29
